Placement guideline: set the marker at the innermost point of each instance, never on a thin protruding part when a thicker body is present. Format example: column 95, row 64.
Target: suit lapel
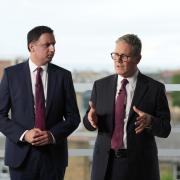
column 140, row 90
column 51, row 86
column 113, row 91
column 111, row 95
column 27, row 86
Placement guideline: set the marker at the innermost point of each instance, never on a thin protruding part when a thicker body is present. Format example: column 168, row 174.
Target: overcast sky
column 86, row 30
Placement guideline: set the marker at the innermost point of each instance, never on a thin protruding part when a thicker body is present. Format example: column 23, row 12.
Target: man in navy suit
column 129, row 153
column 32, row 152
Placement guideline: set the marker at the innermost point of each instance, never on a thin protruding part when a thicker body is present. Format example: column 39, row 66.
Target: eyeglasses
column 119, row 57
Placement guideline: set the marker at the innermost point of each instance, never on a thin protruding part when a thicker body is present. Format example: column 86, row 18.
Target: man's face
column 42, row 50
column 127, row 67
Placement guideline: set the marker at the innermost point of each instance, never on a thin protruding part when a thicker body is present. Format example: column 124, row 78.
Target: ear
column 31, row 47
column 138, row 59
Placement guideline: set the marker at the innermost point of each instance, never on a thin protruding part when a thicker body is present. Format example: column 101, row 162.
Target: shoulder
column 17, row 68
column 59, row 72
column 58, row 69
column 152, row 82
column 105, row 83
column 106, row 79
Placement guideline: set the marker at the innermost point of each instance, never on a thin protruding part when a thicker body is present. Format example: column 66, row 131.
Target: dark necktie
column 120, row 107
column 39, row 102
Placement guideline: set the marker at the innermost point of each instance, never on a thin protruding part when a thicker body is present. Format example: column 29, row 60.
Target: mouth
column 50, row 56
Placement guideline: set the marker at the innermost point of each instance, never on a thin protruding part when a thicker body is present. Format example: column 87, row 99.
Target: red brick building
column 7, row 62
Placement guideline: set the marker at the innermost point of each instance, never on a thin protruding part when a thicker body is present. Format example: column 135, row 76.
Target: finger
column 141, row 118
column 144, row 119
column 36, row 135
column 40, row 138
column 137, row 123
column 139, row 128
column 41, row 143
column 36, row 129
column 44, row 141
column 139, row 131
column 139, row 112
column 92, row 117
column 93, row 123
column 36, row 132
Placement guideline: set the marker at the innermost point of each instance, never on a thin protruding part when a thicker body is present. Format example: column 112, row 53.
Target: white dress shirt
column 130, row 87
column 44, row 75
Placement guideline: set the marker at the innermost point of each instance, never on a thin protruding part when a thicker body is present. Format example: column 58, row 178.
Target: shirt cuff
column 22, row 136
column 53, row 139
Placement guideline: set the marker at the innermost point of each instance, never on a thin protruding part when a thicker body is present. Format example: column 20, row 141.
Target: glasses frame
column 122, row 57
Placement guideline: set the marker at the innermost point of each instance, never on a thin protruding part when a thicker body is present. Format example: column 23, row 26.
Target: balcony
column 81, row 144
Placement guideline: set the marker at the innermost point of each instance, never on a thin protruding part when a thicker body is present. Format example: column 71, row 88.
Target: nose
column 118, row 61
column 52, row 47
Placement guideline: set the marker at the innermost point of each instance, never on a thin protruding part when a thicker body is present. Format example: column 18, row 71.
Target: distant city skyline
column 86, row 30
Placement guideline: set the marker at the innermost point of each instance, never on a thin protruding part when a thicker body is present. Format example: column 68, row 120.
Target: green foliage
column 176, row 79
column 176, row 95
column 166, row 175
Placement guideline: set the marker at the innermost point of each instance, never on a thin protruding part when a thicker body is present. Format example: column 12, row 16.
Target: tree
column 176, row 94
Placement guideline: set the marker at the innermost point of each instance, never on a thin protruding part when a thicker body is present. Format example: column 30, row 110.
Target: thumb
column 139, row 112
column 92, row 106
column 36, row 129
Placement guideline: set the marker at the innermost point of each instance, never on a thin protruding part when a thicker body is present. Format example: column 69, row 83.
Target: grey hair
column 132, row 40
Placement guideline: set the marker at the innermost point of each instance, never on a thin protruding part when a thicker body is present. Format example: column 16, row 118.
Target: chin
column 123, row 74
column 49, row 59
column 120, row 72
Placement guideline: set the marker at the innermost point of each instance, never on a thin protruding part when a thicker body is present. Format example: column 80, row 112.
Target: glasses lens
column 123, row 57
column 114, row 56
column 118, row 57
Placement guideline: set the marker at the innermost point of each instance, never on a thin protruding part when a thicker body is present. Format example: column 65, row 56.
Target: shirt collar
column 132, row 80
column 33, row 66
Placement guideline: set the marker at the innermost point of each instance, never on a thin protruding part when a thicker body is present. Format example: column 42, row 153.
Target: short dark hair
column 36, row 32
column 132, row 40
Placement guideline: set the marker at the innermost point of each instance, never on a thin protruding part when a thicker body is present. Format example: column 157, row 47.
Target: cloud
column 86, row 30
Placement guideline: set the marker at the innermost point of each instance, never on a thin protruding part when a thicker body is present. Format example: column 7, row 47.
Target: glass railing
column 81, row 143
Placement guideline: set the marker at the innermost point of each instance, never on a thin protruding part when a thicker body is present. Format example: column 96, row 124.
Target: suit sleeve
column 71, row 112
column 7, row 126
column 85, row 119
column 161, row 121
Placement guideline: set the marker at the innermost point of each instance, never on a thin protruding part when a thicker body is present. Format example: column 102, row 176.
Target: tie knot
column 39, row 69
column 124, row 82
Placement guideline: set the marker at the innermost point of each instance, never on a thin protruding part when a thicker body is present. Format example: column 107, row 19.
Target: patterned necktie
column 120, row 107
column 39, row 102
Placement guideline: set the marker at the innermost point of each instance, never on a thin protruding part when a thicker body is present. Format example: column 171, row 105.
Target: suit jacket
column 62, row 115
column 149, row 96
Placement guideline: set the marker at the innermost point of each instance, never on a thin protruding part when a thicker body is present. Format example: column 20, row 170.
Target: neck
column 130, row 74
column 36, row 62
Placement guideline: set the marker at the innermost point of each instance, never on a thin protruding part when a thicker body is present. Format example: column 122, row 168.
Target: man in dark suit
column 44, row 112
column 129, row 109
